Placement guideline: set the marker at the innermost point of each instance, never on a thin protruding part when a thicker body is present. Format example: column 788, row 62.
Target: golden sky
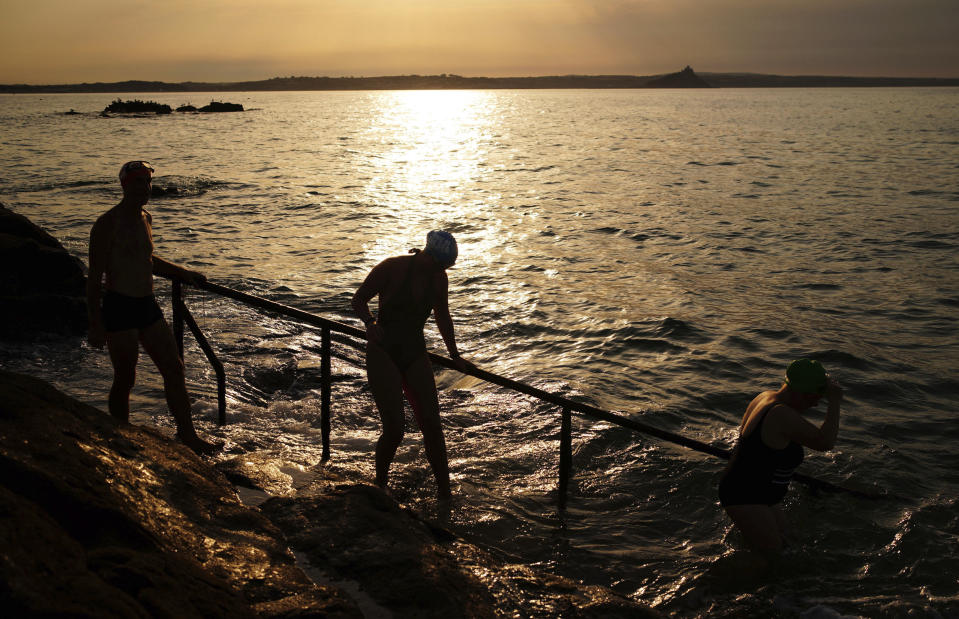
column 69, row 41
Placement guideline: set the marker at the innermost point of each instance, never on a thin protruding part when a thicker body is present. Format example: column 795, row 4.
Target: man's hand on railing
column 462, row 364
column 194, row 278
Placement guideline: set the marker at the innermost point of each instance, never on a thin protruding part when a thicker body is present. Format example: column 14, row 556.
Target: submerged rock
column 99, row 519
column 42, row 287
column 357, row 534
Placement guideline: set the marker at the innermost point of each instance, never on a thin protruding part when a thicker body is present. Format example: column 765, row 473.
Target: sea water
column 660, row 254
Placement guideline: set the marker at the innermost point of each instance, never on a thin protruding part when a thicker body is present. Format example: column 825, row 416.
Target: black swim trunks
column 121, row 312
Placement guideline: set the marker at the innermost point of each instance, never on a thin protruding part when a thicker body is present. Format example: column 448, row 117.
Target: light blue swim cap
column 442, row 246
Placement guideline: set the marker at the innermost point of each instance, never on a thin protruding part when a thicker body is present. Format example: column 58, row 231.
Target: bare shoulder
column 760, row 402
column 782, row 420
column 104, row 224
column 393, row 265
column 148, row 216
column 384, row 272
column 440, row 277
column 105, row 219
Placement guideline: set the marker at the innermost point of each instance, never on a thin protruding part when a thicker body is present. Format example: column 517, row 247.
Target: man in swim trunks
column 121, row 248
column 409, row 289
column 770, row 447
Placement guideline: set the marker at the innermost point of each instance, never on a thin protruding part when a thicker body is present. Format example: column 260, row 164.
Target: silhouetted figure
column 770, row 447
column 409, row 289
column 121, row 248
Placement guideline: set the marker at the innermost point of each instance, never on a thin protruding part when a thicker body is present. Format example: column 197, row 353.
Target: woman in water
column 770, row 447
column 410, row 288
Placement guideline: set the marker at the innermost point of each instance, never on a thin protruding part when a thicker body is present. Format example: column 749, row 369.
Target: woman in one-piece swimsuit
column 770, row 447
column 397, row 363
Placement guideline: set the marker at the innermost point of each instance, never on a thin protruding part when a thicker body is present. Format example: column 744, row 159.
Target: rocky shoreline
column 103, row 519
column 100, row 519
column 42, row 287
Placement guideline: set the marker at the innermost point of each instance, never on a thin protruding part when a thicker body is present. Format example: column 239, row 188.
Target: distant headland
column 686, row 78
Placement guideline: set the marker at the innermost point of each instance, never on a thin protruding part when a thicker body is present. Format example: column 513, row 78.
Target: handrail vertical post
column 325, row 392
column 211, row 357
column 177, row 294
column 565, row 456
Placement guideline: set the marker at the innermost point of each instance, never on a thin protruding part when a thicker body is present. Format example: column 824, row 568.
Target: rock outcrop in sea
column 42, row 287
column 103, row 519
column 222, row 106
column 136, row 106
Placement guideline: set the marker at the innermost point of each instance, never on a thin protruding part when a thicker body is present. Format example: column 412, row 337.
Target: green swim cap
column 806, row 376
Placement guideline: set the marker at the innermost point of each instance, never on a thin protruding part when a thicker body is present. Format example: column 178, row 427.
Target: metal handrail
column 327, row 326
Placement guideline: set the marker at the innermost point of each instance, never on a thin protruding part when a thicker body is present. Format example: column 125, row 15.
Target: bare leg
column 387, row 387
column 760, row 528
column 157, row 340
column 421, row 388
column 785, row 533
column 124, row 352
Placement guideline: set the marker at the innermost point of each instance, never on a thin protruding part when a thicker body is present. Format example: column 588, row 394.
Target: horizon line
column 481, row 77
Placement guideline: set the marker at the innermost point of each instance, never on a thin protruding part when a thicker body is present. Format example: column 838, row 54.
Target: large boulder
column 42, row 287
column 99, row 519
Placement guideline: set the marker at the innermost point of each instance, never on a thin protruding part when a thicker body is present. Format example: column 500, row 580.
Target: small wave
column 175, row 186
column 817, row 286
column 931, row 244
column 96, row 185
column 540, row 169
column 719, row 163
column 608, row 230
column 844, row 359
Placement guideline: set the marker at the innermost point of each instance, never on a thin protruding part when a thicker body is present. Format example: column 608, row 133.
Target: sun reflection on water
column 432, row 149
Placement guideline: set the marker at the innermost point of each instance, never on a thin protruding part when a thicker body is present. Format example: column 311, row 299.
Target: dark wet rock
column 99, row 519
column 222, row 106
column 161, row 191
column 186, row 108
column 136, row 106
column 358, row 534
column 271, row 379
column 686, row 78
column 42, row 287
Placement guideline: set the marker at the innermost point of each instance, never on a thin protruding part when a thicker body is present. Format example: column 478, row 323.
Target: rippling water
column 661, row 254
